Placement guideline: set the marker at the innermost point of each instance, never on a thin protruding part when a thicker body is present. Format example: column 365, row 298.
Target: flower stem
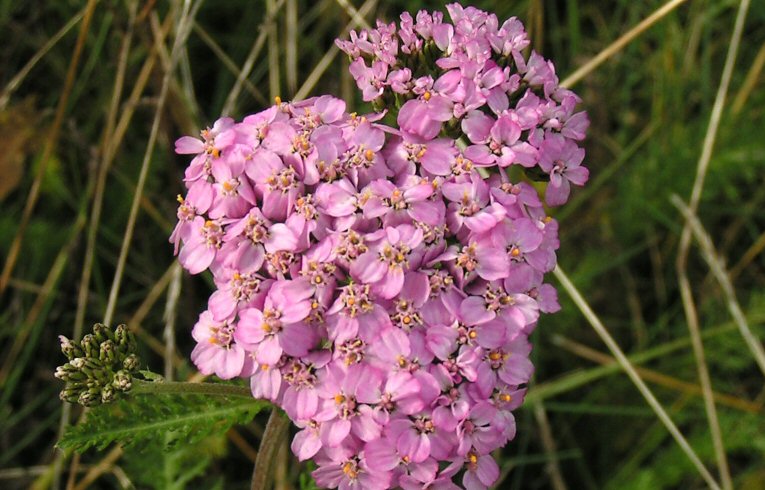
column 276, row 428
column 159, row 388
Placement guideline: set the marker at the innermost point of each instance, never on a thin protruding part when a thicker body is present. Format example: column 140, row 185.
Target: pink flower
column 278, row 328
column 345, row 395
column 350, row 474
column 216, row 351
column 206, row 238
column 482, row 471
column 562, row 159
column 425, row 115
column 404, row 204
column 501, row 141
column 384, row 265
column 370, row 80
column 470, row 206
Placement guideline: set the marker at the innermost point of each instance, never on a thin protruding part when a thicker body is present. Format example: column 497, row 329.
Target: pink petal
column 368, row 268
column 416, row 446
column 473, row 311
column 306, row 444
column 334, row 432
column 187, row 145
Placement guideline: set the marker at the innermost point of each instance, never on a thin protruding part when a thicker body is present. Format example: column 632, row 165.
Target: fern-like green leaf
column 142, row 418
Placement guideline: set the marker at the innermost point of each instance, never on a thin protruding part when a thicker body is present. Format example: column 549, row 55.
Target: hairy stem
column 277, row 426
column 160, row 388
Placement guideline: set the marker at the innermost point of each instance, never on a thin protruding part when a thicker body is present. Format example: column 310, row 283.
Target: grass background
column 82, row 83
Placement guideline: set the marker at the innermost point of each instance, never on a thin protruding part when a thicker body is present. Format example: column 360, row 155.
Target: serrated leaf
column 141, row 418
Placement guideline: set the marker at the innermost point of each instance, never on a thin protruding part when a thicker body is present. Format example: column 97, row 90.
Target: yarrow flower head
column 372, row 280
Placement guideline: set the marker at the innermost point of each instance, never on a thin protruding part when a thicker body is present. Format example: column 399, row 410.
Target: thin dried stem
column 703, row 371
column 95, row 216
column 14, row 83
column 749, row 82
column 171, row 313
column 548, row 442
column 685, row 241
column 748, row 257
column 276, row 430
column 329, row 56
column 357, row 17
column 249, row 63
column 241, row 443
column 274, row 81
column 50, row 144
column 140, row 84
column 228, row 63
column 98, row 469
column 291, row 45
column 184, row 27
column 620, row 43
column 602, row 332
column 718, row 270
column 649, row 375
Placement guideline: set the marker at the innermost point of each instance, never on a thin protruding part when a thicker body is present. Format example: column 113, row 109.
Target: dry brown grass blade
column 358, row 17
column 50, row 145
column 326, row 60
column 705, row 381
column 274, row 66
column 750, row 82
column 182, row 32
column 229, row 63
column 98, row 469
column 718, row 270
column 241, row 443
column 620, row 43
column 143, row 310
column 550, row 447
column 171, row 313
column 95, row 217
column 685, row 242
column 291, row 45
column 249, row 63
column 625, row 363
column 688, row 389
column 57, row 268
column 14, row 83
column 748, row 257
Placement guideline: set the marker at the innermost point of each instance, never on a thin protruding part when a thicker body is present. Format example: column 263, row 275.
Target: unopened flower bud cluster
column 101, row 366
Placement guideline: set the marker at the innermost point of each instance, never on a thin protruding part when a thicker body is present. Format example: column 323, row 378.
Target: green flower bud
column 62, row 373
column 88, row 398
column 106, row 352
column 70, row 348
column 123, row 337
column 131, row 362
column 123, row 381
column 107, row 394
column 90, row 345
column 69, row 395
column 102, row 333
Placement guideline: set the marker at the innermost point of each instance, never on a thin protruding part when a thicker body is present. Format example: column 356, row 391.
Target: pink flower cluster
column 469, row 79
column 374, row 282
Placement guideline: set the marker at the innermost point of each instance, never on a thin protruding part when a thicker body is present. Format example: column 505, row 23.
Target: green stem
column 276, row 429
column 176, row 387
